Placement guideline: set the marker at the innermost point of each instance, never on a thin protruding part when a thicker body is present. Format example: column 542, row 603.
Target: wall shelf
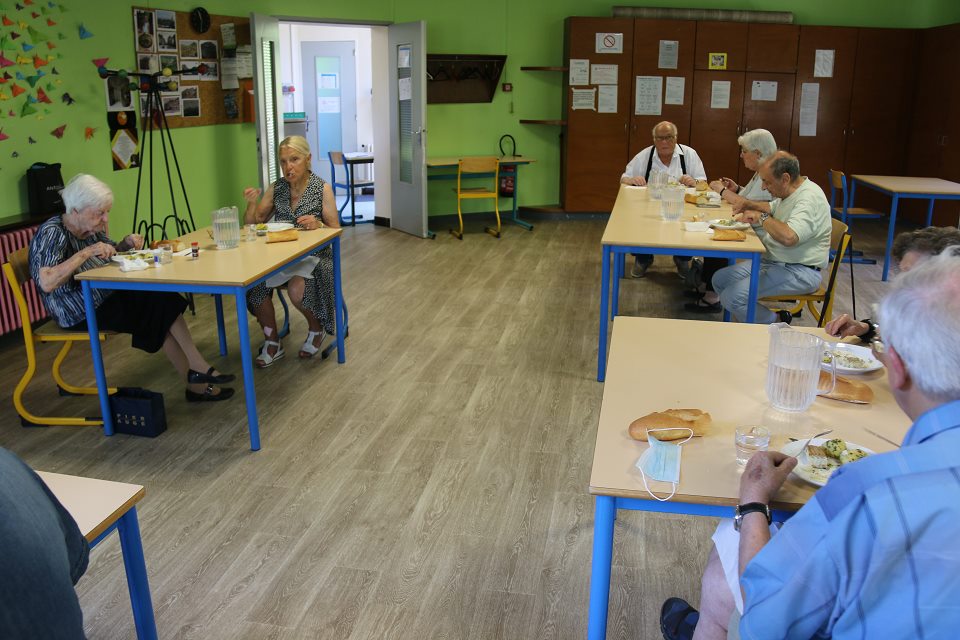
column 560, row 123
column 544, row 68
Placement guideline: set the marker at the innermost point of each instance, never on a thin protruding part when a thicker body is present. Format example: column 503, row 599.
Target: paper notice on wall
column 403, row 57
column 720, row 94
column 809, row 103
column 669, row 52
column 228, row 73
column 244, row 59
column 609, row 43
column 603, row 74
column 583, row 99
column 579, row 71
column 674, row 93
column 648, row 99
column 607, row 98
column 404, row 89
column 764, row 91
column 331, row 104
column 228, row 35
column 823, row 63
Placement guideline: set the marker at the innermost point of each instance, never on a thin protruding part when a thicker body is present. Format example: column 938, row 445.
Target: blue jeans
column 732, row 284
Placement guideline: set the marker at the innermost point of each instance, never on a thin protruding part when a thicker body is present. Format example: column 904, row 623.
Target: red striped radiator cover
column 11, row 241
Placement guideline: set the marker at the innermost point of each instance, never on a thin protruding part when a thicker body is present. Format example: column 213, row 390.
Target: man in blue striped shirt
column 874, row 554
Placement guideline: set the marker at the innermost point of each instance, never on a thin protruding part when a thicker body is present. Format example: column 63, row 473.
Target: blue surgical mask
column 661, row 462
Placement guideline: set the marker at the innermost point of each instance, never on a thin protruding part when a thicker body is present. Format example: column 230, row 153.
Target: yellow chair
column 17, row 272
column 487, row 165
column 839, row 241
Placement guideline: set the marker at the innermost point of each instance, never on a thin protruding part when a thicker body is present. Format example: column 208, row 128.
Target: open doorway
column 328, row 75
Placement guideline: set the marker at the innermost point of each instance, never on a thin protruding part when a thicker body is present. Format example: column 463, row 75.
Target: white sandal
column 308, row 350
column 264, row 360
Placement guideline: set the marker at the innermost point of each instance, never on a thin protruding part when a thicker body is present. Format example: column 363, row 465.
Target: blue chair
column 337, row 160
column 847, row 214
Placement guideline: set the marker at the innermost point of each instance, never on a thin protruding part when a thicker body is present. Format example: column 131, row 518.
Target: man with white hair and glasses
column 873, row 554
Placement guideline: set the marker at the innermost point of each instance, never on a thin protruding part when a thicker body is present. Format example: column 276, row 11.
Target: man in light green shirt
column 794, row 228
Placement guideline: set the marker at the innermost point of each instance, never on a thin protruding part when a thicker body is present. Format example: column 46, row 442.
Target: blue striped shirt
column 885, row 566
column 53, row 245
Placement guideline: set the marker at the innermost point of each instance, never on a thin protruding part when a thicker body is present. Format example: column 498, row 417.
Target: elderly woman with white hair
column 755, row 147
column 77, row 241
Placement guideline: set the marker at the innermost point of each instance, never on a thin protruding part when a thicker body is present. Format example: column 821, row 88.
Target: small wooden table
column 351, row 160
column 905, row 187
column 635, row 226
column 100, row 507
column 720, row 368
column 505, row 161
column 231, row 272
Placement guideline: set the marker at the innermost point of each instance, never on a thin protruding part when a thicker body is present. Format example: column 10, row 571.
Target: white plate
column 818, row 477
column 696, row 226
column 863, row 353
column 739, row 226
column 279, row 226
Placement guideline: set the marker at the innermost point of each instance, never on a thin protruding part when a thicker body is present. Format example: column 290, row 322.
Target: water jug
column 226, row 227
column 658, row 180
column 671, row 202
column 793, row 368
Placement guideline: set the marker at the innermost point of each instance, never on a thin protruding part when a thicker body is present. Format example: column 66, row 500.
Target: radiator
column 11, row 241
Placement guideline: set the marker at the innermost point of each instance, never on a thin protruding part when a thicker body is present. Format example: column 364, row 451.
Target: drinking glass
column 747, row 440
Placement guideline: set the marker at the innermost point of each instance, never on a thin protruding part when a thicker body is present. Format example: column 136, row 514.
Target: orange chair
column 487, row 166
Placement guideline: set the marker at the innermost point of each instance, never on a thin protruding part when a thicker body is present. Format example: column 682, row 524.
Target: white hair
column 665, row 123
column 759, row 140
column 84, row 191
column 920, row 318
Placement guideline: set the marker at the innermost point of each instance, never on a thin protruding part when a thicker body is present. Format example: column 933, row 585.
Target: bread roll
column 847, row 390
column 729, row 235
column 677, row 421
column 282, row 236
column 702, row 185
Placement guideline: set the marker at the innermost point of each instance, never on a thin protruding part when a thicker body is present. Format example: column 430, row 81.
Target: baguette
column 847, row 390
column 677, row 421
column 175, row 245
column 282, row 236
column 729, row 234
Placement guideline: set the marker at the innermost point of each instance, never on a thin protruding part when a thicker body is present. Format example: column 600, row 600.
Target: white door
column 265, row 33
column 408, row 127
column 330, row 101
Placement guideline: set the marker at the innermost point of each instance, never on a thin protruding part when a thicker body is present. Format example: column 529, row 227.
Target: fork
column 807, row 443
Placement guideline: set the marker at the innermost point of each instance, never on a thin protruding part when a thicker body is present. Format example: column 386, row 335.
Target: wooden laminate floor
column 434, row 486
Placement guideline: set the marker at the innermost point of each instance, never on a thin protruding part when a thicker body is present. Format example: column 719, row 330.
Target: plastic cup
column 748, row 440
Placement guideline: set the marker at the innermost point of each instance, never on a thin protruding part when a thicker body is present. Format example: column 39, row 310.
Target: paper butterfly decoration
column 58, row 132
column 84, row 33
column 31, row 140
column 3, row 136
column 88, row 132
column 67, row 98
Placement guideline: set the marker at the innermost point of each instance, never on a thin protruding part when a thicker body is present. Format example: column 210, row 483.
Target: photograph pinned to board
column 144, row 30
column 169, row 62
column 228, row 35
column 230, row 105
column 147, row 63
column 191, row 108
column 171, row 105
column 209, row 50
column 189, row 49
column 579, row 71
column 166, row 19
column 717, row 61
column 144, row 105
column 190, row 92
column 166, row 41
column 210, row 71
column 123, row 148
column 190, row 70
column 122, row 120
column 119, row 96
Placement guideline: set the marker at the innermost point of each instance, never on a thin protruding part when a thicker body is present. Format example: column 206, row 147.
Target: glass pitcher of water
column 671, row 202
column 793, row 368
column 226, row 227
column 658, row 180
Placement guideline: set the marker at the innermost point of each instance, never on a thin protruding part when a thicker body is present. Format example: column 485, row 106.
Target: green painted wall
column 218, row 161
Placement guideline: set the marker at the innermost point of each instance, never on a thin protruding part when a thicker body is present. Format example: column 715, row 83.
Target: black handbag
column 138, row 412
column 44, row 184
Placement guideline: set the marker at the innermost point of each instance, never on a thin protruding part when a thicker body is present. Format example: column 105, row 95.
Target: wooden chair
column 487, row 166
column 846, row 213
column 839, row 242
column 17, row 272
column 337, row 160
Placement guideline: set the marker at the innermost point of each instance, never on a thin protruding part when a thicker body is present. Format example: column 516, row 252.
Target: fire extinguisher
column 508, row 173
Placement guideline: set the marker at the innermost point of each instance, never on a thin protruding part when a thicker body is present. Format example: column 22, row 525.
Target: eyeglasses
column 664, row 138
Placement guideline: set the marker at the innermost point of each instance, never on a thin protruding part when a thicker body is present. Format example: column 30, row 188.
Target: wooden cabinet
column 596, row 144
column 714, row 130
column 722, row 37
column 825, row 150
column 772, row 47
column 774, row 115
column 647, row 35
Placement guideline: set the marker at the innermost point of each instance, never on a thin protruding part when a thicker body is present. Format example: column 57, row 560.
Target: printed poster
column 648, row 97
column 579, row 72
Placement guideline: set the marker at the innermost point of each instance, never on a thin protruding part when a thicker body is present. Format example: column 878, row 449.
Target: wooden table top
column 635, row 222
column 358, row 157
column 452, row 161
column 94, row 504
column 907, row 184
column 242, row 266
column 721, row 368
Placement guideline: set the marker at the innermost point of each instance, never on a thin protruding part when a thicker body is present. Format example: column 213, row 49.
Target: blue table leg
column 353, row 207
column 604, row 308
column 218, row 302
column 516, row 186
column 754, row 283
column 136, row 568
column 246, row 359
column 618, row 269
column 726, row 312
column 893, row 223
column 930, row 212
column 605, row 512
column 97, row 356
column 338, row 301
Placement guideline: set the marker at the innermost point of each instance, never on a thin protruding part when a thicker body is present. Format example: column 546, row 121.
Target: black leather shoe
column 701, row 306
column 678, row 619
column 195, row 377
column 784, row 316
column 208, row 395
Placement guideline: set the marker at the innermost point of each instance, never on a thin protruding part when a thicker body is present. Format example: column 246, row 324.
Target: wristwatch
column 751, row 507
column 763, row 217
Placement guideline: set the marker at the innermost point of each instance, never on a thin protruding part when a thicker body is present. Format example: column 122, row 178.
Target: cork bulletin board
column 164, row 38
